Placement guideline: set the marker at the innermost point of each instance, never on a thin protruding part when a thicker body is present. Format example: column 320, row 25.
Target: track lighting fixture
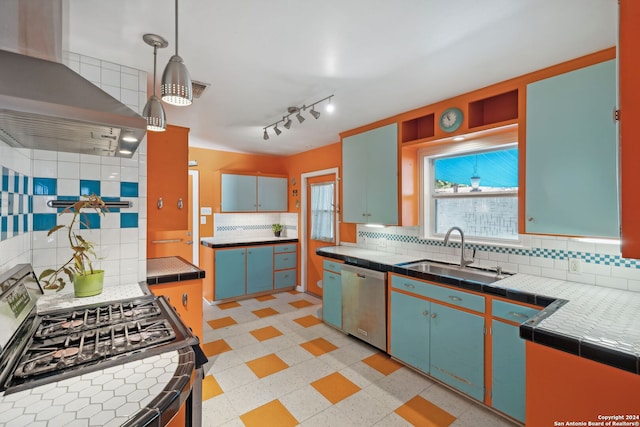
column 297, row 112
column 153, row 111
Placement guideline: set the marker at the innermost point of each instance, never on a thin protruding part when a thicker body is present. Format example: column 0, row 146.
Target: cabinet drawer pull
column 425, row 313
column 180, row 204
column 433, row 316
column 520, row 315
column 185, row 299
column 409, row 285
column 454, row 298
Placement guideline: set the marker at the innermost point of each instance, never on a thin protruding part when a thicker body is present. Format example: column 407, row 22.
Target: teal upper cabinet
column 250, row 193
column 272, row 193
column 370, row 176
column 238, row 193
column 571, row 154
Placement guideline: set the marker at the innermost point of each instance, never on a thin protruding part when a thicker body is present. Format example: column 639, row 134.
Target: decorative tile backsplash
column 254, row 224
column 547, row 256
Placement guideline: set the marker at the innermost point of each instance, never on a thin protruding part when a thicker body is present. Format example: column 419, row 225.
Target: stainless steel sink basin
column 448, row 270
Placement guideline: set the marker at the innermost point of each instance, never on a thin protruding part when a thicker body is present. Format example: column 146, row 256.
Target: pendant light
column 153, row 111
column 176, row 81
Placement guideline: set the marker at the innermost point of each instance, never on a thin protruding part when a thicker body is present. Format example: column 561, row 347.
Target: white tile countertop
column 599, row 323
column 109, row 397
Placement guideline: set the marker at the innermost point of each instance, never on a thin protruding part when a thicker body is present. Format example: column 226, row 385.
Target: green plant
column 276, row 227
column 80, row 262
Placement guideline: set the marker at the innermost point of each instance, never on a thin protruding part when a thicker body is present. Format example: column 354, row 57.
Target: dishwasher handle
column 364, row 273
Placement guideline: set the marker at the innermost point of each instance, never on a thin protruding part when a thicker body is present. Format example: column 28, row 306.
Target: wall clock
column 451, row 119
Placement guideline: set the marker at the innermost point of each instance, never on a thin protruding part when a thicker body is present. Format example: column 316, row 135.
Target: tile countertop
column 224, row 242
column 600, row 324
column 120, row 395
column 171, row 269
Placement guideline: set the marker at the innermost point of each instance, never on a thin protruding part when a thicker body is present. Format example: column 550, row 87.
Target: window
column 322, row 212
column 473, row 186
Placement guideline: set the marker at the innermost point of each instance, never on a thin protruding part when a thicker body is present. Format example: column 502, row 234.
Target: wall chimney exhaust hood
column 47, row 106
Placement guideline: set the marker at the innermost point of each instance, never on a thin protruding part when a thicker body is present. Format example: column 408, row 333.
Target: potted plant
column 87, row 281
column 277, row 229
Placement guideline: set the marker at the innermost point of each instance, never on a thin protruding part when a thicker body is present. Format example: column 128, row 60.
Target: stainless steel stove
column 37, row 349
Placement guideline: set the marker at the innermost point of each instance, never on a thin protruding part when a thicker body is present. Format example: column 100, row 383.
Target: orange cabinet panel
column 563, row 387
column 186, row 298
column 168, row 179
column 162, row 244
column 629, row 64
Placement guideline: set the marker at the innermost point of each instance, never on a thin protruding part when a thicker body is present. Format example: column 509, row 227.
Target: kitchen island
column 146, row 391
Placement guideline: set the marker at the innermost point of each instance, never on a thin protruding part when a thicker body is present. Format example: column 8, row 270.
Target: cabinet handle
column 425, row 313
column 285, row 259
column 180, row 204
column 433, row 316
column 185, row 299
column 530, row 219
column 409, row 285
column 160, row 203
column 454, row 298
column 520, row 315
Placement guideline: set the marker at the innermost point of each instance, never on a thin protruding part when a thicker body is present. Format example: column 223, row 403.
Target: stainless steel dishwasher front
column 364, row 305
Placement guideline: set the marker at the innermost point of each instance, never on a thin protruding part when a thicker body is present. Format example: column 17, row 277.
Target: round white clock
column 451, row 119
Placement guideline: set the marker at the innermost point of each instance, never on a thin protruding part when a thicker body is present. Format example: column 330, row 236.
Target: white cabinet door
column 370, row 176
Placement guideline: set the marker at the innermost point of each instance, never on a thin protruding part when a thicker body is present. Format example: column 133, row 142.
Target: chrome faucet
column 463, row 262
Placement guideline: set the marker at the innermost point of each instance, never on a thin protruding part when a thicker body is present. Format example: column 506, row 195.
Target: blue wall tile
column 45, row 186
column 43, row 222
column 128, row 220
column 89, row 187
column 112, row 199
column 5, row 179
column 70, row 198
column 25, row 223
column 90, row 221
column 3, row 228
column 128, row 189
column 25, row 185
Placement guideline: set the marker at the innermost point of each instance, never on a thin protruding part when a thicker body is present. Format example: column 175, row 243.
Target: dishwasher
column 364, row 305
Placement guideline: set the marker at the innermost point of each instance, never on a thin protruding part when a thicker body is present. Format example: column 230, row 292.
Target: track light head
column 299, row 117
column 287, row 124
column 314, row 113
column 266, row 135
column 276, row 130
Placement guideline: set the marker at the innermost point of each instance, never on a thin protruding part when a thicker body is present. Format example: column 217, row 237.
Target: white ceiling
column 378, row 57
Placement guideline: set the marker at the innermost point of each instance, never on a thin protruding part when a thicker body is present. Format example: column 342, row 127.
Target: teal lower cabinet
column 444, row 342
column 410, row 330
column 508, row 369
column 457, row 349
column 332, row 298
column 230, row 273
column 284, row 263
column 259, row 269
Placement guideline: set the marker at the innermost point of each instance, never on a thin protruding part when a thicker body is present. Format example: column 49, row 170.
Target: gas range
column 42, row 348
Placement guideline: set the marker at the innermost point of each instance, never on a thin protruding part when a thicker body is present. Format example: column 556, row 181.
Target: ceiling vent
column 198, row 88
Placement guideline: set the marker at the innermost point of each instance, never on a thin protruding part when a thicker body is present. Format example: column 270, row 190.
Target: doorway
column 319, row 223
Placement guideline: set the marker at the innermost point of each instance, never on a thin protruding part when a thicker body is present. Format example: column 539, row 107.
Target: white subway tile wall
column 547, row 256
column 254, row 224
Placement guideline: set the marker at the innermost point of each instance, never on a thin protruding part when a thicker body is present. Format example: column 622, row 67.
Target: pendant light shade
column 153, row 111
column 176, row 80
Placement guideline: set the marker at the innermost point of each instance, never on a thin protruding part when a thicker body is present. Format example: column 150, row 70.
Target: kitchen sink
column 456, row 272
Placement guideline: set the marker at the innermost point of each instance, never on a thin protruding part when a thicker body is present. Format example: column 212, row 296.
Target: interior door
column 314, row 210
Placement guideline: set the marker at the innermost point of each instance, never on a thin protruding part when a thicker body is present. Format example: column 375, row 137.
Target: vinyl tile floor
column 273, row 363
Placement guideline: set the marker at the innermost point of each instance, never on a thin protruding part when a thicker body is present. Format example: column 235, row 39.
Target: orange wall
column 329, row 156
column 210, row 161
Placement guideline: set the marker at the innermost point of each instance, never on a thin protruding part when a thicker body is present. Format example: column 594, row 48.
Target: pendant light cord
column 155, row 55
column 176, row 27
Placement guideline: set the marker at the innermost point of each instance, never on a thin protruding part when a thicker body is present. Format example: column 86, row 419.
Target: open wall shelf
column 494, row 109
column 418, row 128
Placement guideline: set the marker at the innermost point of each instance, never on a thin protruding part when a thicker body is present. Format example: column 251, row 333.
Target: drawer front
column 284, row 248
column 513, row 312
column 285, row 279
column 440, row 293
column 285, row 261
column 336, row 267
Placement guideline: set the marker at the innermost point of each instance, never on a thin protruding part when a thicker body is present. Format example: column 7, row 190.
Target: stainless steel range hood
column 46, row 105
